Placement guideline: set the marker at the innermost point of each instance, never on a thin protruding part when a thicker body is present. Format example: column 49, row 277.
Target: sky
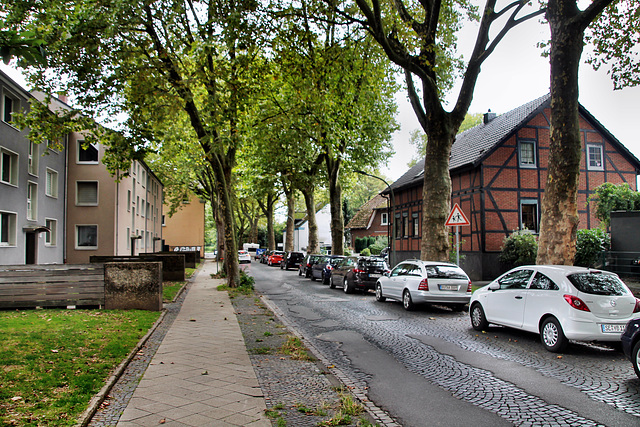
column 515, row 74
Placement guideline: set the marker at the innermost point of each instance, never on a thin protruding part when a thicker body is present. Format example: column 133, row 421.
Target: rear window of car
column 598, row 284
column 371, row 263
column 445, row 272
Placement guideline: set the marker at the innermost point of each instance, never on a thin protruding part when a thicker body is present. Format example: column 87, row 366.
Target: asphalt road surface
column 430, row 368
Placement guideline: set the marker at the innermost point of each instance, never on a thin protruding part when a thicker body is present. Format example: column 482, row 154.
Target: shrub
column 589, row 245
column 520, row 248
column 379, row 244
column 246, row 281
column 365, row 252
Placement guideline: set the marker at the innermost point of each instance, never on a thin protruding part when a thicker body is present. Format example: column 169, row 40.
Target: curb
column 100, row 397
column 379, row 415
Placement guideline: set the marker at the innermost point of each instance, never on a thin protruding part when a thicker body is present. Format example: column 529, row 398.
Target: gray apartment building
column 32, row 187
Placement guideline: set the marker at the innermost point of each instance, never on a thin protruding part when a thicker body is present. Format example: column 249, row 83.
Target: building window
column 10, row 105
column 34, row 158
column 148, row 213
column 527, row 153
column 405, row 225
column 86, row 237
column 86, row 193
column 142, row 209
column 384, row 218
column 32, row 201
column 138, row 204
column 529, row 215
column 398, row 226
column 415, row 226
column 8, row 167
column 163, row 223
column 8, row 229
column 51, row 235
column 594, row 157
column 143, row 180
column 52, row 183
column 87, row 153
column 128, row 238
column 128, row 200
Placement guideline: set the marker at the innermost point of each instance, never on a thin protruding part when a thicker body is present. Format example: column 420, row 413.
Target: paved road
column 430, row 367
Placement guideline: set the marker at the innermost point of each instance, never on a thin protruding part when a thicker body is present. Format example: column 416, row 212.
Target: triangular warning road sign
column 457, row 217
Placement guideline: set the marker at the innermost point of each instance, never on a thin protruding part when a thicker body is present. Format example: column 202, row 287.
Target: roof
column 472, row 146
column 362, row 218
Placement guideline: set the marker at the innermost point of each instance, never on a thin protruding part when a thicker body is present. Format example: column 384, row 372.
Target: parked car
column 275, row 258
column 358, row 273
column 259, row 253
column 631, row 343
column 244, row 257
column 559, row 302
column 307, row 263
column 322, row 269
column 416, row 282
column 291, row 260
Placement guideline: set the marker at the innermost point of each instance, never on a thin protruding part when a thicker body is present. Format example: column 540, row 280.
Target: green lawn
column 52, row 362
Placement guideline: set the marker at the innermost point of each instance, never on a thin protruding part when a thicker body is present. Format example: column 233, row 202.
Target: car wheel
column 379, row 296
column 407, row 302
column 331, row 284
column 478, row 319
column 345, row 286
column 635, row 358
column 325, row 281
column 313, row 277
column 551, row 335
column 281, row 267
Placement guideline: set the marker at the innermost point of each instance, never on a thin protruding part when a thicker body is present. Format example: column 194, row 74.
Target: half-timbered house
column 498, row 173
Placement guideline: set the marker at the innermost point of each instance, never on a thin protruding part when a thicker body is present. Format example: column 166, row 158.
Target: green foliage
column 610, row 197
column 246, row 281
column 379, row 244
column 365, row 252
column 589, row 245
column 520, row 248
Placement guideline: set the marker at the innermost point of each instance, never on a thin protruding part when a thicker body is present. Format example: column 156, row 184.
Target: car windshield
column 445, row 272
column 598, row 284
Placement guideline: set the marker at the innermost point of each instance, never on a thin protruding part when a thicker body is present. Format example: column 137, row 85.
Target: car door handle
column 518, row 297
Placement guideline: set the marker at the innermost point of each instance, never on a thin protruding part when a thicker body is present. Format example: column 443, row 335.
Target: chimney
column 488, row 116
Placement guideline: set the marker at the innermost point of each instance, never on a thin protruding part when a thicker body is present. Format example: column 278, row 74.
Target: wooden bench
column 51, row 285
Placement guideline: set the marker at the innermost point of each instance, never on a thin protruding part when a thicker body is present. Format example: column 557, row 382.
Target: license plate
column 448, row 287
column 375, row 275
column 612, row 328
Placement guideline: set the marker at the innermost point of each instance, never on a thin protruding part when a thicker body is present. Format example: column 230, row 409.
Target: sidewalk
column 201, row 374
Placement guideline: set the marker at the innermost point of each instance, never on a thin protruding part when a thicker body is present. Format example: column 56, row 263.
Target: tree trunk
column 291, row 211
column 231, row 265
column 309, row 201
column 335, row 203
column 559, row 219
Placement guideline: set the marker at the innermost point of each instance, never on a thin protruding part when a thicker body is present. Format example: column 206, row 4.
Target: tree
column 609, row 197
column 201, row 58
column 559, row 220
column 421, row 39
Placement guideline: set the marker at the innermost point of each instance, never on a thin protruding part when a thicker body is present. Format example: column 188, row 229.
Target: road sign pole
column 457, row 245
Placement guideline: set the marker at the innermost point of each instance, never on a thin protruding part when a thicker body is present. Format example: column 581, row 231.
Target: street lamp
column 392, row 235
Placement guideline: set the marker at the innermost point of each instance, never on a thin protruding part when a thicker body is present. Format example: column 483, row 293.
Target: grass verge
column 52, row 362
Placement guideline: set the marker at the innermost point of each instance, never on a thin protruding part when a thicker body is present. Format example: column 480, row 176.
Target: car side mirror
column 494, row 286
column 387, row 273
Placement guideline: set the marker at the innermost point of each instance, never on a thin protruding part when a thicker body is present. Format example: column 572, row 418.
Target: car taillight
column 636, row 309
column 357, row 270
column 424, row 285
column 576, row 303
column 469, row 287
column 329, row 267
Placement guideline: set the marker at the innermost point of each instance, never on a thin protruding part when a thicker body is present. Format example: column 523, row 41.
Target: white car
column 415, row 282
column 559, row 302
column 244, row 257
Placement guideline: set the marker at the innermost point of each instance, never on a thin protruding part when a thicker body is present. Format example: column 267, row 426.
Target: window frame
column 33, row 159
column 54, row 186
column 14, row 166
column 529, row 202
column 79, row 149
column 12, row 229
column 521, row 162
column 32, row 201
column 15, row 106
column 51, row 235
column 86, row 247
column 97, row 202
column 588, row 154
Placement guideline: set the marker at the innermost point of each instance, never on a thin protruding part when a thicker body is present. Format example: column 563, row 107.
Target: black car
column 291, row 260
column 631, row 343
column 358, row 273
column 265, row 256
column 307, row 263
column 322, row 269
